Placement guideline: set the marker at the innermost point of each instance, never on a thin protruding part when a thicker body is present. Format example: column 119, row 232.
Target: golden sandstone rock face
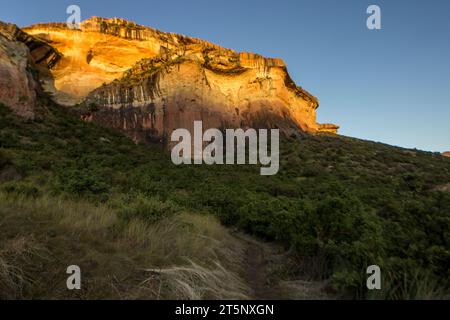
column 148, row 83
column 328, row 128
column 446, row 154
column 90, row 59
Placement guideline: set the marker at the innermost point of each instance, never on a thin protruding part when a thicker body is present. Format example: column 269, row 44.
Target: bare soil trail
column 263, row 264
column 257, row 273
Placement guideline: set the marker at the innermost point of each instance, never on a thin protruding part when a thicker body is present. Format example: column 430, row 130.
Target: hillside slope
column 338, row 204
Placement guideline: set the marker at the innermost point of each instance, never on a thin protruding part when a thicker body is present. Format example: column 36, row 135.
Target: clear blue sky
column 391, row 85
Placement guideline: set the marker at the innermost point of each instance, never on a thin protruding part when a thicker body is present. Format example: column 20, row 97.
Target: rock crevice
column 148, row 83
column 24, row 59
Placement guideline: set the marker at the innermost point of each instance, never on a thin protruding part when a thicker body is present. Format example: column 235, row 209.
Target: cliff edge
column 147, row 82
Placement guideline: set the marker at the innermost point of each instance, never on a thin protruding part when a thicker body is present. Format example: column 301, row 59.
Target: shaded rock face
column 446, row 154
column 22, row 58
column 16, row 84
column 42, row 54
column 148, row 83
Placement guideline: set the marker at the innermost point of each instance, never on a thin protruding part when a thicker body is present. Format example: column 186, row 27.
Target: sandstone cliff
column 21, row 57
column 223, row 89
column 446, row 154
column 148, row 83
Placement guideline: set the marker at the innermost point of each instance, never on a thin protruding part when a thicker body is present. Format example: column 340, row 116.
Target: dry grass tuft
column 195, row 282
column 16, row 256
column 190, row 256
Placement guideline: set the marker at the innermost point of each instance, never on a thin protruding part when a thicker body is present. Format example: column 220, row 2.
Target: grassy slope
column 339, row 204
column 174, row 258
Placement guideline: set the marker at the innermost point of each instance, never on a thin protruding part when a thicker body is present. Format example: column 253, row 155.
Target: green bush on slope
column 345, row 202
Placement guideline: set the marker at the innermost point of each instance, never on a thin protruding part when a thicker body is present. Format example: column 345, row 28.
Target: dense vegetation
column 339, row 204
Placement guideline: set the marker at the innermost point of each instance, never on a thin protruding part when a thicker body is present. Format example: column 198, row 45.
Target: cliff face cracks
column 147, row 83
column 24, row 60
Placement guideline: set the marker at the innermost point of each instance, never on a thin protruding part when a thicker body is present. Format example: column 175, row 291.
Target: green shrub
column 148, row 209
column 81, row 182
column 20, row 188
column 341, row 201
column 4, row 161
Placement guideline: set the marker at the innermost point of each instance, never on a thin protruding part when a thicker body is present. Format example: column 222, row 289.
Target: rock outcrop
column 22, row 58
column 328, row 128
column 148, row 83
column 223, row 89
column 446, row 154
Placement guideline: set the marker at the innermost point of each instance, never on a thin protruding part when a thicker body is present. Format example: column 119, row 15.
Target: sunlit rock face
column 328, row 128
column 22, row 57
column 446, row 154
column 148, row 83
column 174, row 89
column 90, row 58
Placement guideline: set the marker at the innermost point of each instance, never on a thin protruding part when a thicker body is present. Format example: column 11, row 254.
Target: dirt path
column 257, row 272
column 263, row 260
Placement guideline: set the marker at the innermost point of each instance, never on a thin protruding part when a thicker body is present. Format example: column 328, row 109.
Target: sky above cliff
column 390, row 85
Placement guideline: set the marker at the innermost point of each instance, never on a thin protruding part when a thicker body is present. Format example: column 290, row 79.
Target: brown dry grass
column 186, row 256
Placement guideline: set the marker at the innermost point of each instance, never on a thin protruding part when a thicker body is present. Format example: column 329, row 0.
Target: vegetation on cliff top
column 339, row 205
